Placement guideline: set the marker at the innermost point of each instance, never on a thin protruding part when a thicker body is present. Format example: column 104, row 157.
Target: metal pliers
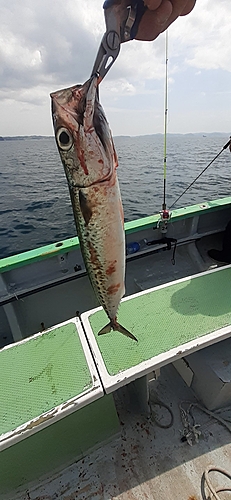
column 121, row 26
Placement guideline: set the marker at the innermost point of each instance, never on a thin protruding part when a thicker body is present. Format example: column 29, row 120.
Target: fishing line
column 190, row 185
column 165, row 117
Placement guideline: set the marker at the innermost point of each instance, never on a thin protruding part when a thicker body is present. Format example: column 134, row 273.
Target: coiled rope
column 209, row 484
column 191, row 434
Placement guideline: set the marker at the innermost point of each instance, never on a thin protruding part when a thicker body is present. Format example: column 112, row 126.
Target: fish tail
column 114, row 325
column 106, row 329
column 121, row 329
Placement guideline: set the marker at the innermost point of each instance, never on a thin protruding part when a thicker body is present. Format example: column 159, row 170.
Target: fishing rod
column 190, row 185
column 164, row 213
column 165, row 118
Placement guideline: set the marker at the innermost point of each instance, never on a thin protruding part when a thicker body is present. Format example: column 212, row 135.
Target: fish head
column 82, row 134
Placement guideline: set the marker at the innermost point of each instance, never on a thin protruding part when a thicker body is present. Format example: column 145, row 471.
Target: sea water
column 35, row 207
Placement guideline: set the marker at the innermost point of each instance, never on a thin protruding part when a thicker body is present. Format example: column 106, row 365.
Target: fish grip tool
column 121, row 26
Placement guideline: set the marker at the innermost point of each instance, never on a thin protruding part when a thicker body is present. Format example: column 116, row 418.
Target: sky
column 48, row 45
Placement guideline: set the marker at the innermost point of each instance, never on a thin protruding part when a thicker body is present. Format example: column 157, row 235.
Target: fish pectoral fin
column 118, row 328
column 85, row 207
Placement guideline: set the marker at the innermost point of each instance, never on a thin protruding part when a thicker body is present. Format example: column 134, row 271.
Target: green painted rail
column 54, row 249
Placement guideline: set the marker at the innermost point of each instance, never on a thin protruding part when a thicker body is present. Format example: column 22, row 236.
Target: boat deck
column 149, row 456
column 147, row 461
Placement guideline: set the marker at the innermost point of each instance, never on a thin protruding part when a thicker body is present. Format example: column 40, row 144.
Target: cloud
column 122, row 87
column 46, row 45
column 54, row 43
column 204, row 36
column 47, row 42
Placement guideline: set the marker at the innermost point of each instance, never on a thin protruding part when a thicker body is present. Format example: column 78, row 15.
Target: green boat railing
column 68, row 245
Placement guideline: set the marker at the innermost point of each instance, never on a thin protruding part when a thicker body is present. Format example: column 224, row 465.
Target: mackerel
column 88, row 155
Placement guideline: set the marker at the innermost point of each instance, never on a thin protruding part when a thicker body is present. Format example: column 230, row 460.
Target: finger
column 152, row 4
column 179, row 8
column 188, row 7
column 153, row 22
column 109, row 3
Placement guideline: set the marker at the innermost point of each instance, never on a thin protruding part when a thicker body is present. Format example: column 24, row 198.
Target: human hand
column 158, row 16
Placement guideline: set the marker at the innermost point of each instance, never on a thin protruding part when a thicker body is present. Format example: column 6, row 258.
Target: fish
column 88, row 155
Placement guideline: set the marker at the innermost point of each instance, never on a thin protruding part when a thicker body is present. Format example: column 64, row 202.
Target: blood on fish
column 90, row 130
column 82, row 161
column 113, row 289
column 111, row 269
column 80, row 153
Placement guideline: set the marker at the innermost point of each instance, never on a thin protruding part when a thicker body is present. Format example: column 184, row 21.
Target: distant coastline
column 39, row 137
column 24, row 137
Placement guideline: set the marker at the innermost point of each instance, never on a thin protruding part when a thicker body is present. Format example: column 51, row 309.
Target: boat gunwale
column 59, row 248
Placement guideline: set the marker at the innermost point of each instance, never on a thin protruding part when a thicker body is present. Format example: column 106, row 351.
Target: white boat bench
column 45, row 379
column 169, row 321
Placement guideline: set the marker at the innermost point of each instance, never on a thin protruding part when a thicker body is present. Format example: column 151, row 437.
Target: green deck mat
column 164, row 319
column 40, row 374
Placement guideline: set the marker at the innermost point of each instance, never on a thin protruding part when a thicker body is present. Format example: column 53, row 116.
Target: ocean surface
column 35, row 206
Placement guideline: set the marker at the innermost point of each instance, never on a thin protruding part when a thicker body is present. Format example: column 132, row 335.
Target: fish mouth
column 81, row 102
column 74, row 99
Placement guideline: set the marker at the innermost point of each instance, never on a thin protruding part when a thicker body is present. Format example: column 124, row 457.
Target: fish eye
column 64, row 139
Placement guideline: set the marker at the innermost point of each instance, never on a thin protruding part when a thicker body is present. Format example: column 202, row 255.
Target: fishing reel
column 162, row 224
column 165, row 216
